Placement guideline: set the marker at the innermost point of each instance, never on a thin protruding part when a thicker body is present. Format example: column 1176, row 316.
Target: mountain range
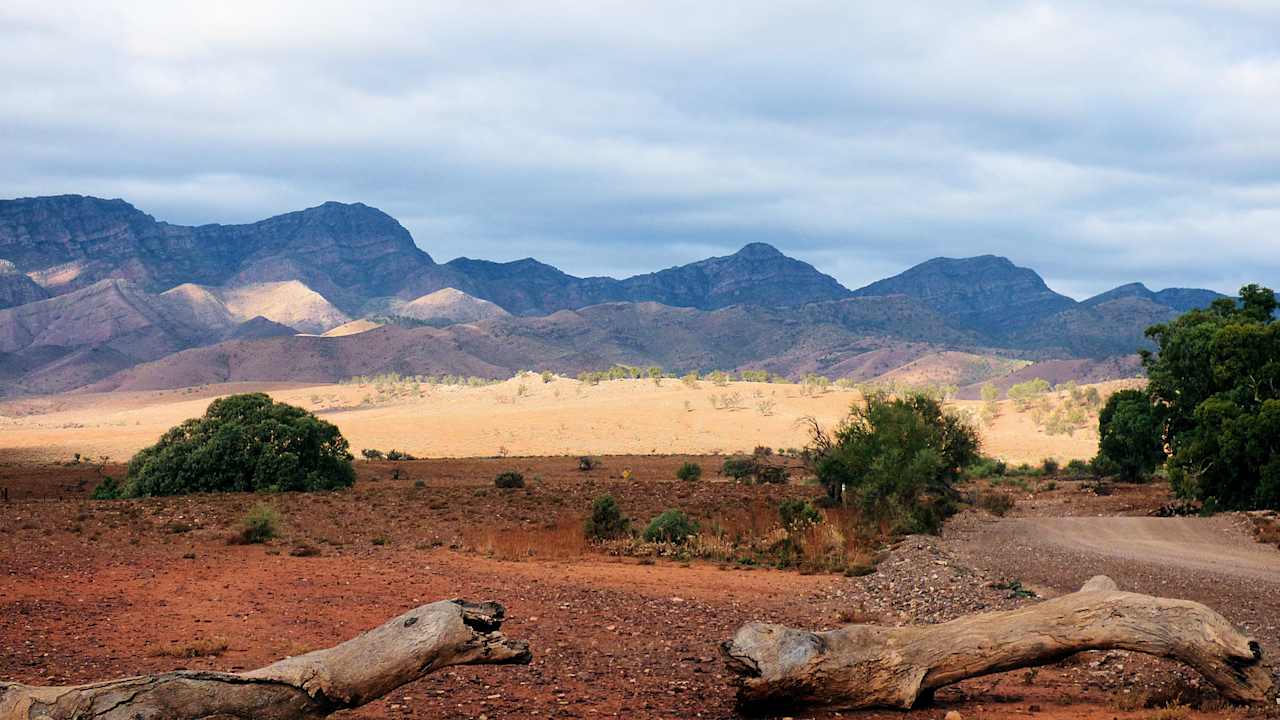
column 97, row 293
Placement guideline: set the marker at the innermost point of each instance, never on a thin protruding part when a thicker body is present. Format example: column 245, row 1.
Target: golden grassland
column 526, row 416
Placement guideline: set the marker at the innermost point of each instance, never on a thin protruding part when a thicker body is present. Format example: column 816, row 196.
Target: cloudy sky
column 1098, row 142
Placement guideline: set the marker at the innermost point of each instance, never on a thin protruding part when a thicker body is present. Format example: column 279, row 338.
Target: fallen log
column 421, row 641
column 862, row 666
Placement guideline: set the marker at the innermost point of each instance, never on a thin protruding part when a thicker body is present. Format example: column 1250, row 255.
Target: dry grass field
column 519, row 417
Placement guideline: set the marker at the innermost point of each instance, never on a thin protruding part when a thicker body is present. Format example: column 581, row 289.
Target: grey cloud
column 1097, row 142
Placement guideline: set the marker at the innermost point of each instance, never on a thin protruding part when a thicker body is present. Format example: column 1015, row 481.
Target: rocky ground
column 91, row 590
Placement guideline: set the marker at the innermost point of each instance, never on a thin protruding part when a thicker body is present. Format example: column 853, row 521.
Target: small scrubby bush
column 398, row 455
column 1049, row 466
column 1079, row 469
column 372, row 454
column 672, row 526
column 797, row 514
column 987, row 467
column 738, row 468
column 606, row 521
column 689, row 472
column 509, row 479
column 260, row 524
column 996, row 503
column 108, row 489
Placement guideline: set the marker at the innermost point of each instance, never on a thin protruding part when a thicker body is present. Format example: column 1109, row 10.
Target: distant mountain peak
column 986, row 292
column 759, row 251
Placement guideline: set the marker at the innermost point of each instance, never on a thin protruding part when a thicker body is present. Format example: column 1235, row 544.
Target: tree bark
column 423, row 640
column 861, row 666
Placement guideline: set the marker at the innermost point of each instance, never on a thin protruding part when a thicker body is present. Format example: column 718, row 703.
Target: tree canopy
column 244, row 443
column 898, row 458
column 1216, row 376
column 1130, row 435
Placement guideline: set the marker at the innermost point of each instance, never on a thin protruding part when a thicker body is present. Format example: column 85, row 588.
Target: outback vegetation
column 897, row 459
column 243, row 443
column 1214, row 380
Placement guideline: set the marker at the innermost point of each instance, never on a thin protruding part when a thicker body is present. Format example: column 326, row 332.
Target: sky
column 1096, row 142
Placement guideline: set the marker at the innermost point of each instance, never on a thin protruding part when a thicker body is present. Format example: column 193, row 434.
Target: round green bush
column 671, row 526
column 509, row 479
column 244, row 443
column 606, row 521
column 689, row 472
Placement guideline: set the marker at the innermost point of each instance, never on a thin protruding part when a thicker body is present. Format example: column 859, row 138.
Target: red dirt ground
column 90, row 590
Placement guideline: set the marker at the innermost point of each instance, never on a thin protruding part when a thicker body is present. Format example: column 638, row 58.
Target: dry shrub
column 1266, row 528
column 753, row 534
column 996, row 503
column 206, row 647
column 561, row 540
column 1171, row 712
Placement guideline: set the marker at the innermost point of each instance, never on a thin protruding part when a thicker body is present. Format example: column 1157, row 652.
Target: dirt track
column 1209, row 560
column 1214, row 545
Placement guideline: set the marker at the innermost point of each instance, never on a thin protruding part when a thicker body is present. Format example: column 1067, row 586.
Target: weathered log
column 421, row 641
column 861, row 666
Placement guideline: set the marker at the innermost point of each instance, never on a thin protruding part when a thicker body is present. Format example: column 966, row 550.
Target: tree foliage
column 1130, row 435
column 1216, row 374
column 606, row 520
column 672, row 526
column 898, row 458
column 244, row 443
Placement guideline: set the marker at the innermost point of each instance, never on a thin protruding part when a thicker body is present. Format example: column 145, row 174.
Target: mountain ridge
column 98, row 286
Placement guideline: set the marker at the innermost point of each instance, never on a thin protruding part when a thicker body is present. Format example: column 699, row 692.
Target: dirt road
column 1213, row 545
column 1209, row 560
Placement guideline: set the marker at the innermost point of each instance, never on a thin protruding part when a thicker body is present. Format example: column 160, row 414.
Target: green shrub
column 606, row 521
column 1049, row 466
column 738, row 468
column 672, row 526
column 260, row 524
column 1079, row 469
column 797, row 514
column 108, row 489
column 1025, row 470
column 772, row 474
column 372, row 454
column 1130, row 435
column 397, row 455
column 244, row 443
column 899, row 458
column 689, row 472
column 987, row 467
column 509, row 479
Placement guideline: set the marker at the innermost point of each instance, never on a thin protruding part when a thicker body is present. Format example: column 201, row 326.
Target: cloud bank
column 1097, row 142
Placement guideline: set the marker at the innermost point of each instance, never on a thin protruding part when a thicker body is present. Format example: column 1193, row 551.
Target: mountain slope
column 812, row 338
column 1179, row 299
column 448, row 305
column 16, row 288
column 758, row 274
column 346, row 252
column 987, row 293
